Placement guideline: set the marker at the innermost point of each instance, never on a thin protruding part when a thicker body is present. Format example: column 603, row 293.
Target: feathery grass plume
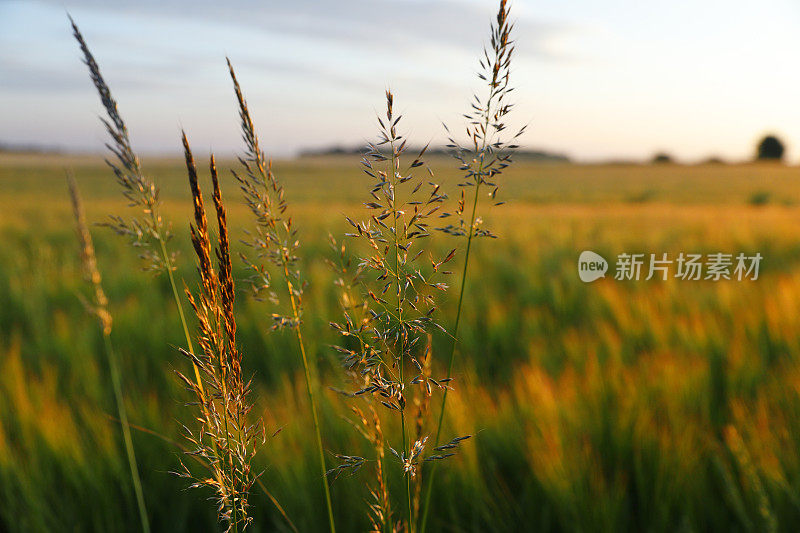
column 398, row 283
column 148, row 232
column 98, row 306
column 275, row 240
column 482, row 159
column 225, row 440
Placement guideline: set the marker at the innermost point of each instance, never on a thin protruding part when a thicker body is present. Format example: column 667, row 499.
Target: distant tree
column 662, row 158
column 770, row 148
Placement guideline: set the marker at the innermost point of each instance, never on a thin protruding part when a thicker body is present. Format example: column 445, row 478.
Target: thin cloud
column 373, row 23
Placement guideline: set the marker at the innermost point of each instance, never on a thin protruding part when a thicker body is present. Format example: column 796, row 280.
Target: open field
column 611, row 406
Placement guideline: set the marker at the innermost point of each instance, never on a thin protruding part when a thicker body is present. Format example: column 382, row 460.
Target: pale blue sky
column 618, row 78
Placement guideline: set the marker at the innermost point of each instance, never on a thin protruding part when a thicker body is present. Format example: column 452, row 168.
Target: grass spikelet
column 226, row 441
column 98, row 306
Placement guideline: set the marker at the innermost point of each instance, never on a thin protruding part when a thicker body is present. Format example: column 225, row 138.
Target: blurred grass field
column 611, row 406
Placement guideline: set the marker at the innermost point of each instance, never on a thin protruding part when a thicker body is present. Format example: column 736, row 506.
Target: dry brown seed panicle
column 225, row 439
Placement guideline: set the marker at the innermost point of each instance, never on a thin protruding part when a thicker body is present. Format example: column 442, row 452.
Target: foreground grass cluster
column 388, row 297
column 609, row 406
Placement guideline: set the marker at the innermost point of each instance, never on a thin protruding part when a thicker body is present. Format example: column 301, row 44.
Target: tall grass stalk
column 151, row 233
column 98, row 306
column 276, row 241
column 485, row 157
